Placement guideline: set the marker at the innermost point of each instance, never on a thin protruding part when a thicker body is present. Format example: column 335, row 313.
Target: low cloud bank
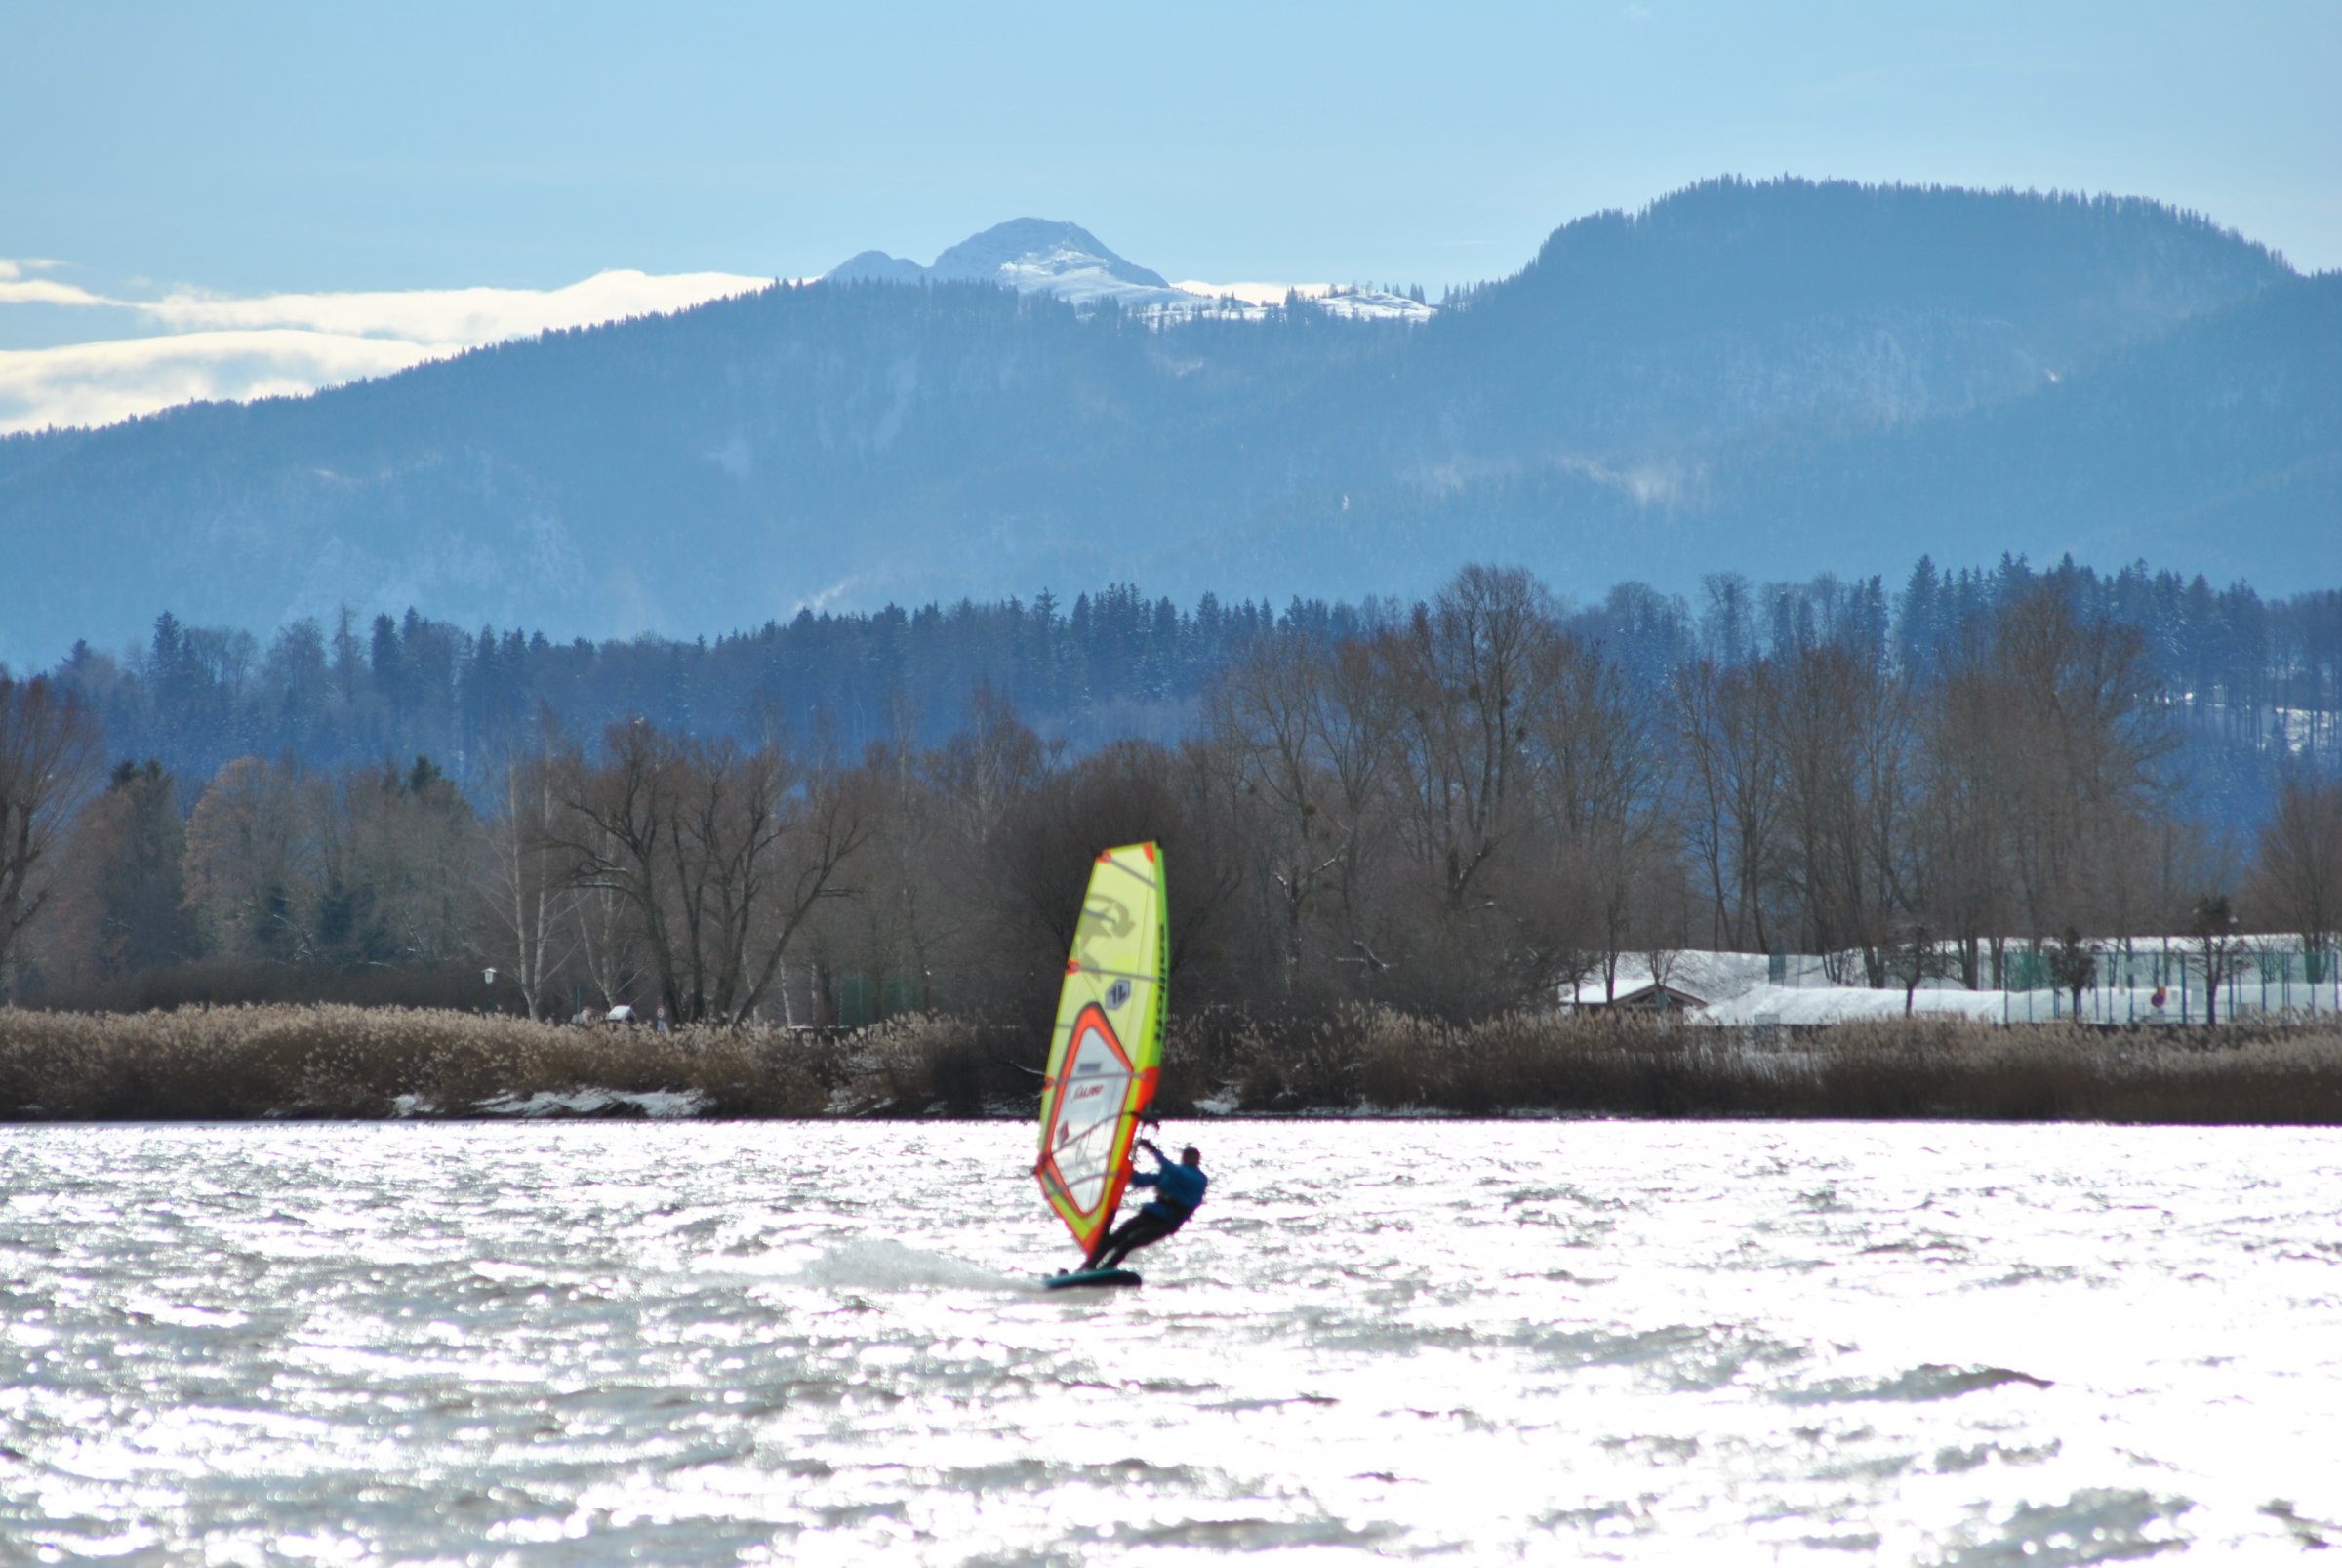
column 218, row 346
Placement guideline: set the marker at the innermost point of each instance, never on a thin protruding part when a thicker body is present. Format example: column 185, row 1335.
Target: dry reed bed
column 239, row 1063
column 332, row 1061
column 1615, row 1064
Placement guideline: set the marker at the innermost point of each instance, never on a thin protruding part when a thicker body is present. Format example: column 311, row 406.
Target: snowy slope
column 1032, row 256
column 1045, row 256
column 1374, row 304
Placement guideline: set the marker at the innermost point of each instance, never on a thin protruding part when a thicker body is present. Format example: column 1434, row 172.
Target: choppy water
column 1711, row 1343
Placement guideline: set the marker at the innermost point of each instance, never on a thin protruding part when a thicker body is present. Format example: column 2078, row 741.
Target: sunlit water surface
column 1650, row 1343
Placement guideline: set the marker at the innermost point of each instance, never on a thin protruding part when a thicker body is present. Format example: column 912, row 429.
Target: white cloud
column 17, row 289
column 101, row 383
column 224, row 347
column 40, row 291
column 464, row 317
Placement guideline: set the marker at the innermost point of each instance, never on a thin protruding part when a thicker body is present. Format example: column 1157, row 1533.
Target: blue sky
column 261, row 151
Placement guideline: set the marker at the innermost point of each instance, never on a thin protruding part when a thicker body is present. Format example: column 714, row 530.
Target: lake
column 1713, row 1343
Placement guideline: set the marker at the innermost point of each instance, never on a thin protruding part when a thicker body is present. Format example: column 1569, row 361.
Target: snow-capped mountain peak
column 1038, row 247
column 1032, row 256
column 1045, row 255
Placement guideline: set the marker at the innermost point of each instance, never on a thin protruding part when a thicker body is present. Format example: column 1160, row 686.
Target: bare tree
column 2296, row 883
column 1846, row 746
column 1468, row 673
column 610, row 828
column 609, row 948
column 47, row 761
column 1691, row 696
column 524, row 882
column 1129, row 792
column 1723, row 730
column 1487, row 894
column 1962, row 850
column 1280, row 718
column 719, row 854
column 920, row 883
column 1597, row 781
column 1664, row 904
column 985, row 769
column 2078, row 748
column 1358, row 725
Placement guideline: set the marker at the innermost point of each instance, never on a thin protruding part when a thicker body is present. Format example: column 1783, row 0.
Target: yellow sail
column 1107, row 1044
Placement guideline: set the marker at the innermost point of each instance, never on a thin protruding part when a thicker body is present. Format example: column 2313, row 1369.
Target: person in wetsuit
column 1178, row 1189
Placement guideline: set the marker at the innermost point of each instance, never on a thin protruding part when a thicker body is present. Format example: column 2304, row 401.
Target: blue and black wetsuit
column 1178, row 1189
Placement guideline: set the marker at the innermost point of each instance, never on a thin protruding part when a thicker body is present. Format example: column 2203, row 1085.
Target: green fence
column 2156, row 984
column 862, row 1000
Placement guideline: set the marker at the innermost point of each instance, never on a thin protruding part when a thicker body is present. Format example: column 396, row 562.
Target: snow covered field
column 1737, row 988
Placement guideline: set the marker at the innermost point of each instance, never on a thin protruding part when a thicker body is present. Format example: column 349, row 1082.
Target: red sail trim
column 1088, row 1223
column 1125, row 1138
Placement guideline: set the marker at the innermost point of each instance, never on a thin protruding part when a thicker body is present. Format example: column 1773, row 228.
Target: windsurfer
column 1178, row 1189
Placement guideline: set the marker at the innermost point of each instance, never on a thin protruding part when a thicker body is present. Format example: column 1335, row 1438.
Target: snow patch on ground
column 1375, row 304
column 1080, row 278
column 1841, row 1004
column 1738, row 990
column 657, row 1105
column 1255, row 301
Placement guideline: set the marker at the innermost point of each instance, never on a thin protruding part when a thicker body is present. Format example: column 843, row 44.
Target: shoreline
column 1539, row 1118
column 282, row 1064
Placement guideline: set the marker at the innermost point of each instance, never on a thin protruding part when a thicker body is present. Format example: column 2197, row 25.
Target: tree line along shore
column 234, row 1063
column 1456, row 813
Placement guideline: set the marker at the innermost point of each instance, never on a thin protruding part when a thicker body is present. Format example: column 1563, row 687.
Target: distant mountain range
column 1773, row 378
column 1068, row 262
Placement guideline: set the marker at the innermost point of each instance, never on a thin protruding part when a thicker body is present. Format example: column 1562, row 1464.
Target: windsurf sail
column 1108, row 1043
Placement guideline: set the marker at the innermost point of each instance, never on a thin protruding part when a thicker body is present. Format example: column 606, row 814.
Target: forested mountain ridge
column 2216, row 444
column 1777, row 378
column 1734, row 307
